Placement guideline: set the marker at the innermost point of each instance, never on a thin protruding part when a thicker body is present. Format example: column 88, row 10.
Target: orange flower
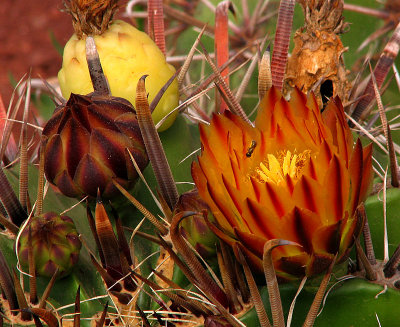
column 297, row 175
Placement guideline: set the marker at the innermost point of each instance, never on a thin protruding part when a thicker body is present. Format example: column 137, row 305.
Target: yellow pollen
column 275, row 168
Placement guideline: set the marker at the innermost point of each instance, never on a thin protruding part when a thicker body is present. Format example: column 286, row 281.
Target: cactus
column 154, row 252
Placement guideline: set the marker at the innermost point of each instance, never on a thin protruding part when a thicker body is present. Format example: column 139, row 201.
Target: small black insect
column 250, row 150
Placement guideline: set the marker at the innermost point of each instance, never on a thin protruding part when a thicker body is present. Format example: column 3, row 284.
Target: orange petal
column 217, row 230
column 226, row 208
column 264, row 120
column 335, row 120
column 350, row 229
column 302, row 224
column 253, row 261
column 336, row 191
column 316, row 167
column 261, row 220
column 326, row 239
column 298, row 102
column 252, row 242
column 307, row 195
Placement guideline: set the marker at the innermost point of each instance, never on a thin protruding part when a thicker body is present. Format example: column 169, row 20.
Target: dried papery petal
column 319, row 39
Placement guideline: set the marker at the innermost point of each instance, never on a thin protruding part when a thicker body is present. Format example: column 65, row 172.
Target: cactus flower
column 86, row 145
column 296, row 175
column 55, row 244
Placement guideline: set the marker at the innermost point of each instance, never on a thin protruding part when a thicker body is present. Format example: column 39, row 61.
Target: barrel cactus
column 293, row 219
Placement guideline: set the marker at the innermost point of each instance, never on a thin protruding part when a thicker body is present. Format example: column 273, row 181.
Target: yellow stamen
column 275, row 168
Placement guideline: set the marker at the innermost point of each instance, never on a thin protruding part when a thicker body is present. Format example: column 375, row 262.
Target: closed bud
column 55, row 244
column 87, row 143
column 194, row 228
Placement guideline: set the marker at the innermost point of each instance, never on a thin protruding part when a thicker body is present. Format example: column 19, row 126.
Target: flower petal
column 75, row 143
column 336, row 191
column 306, row 195
column 326, row 239
column 91, row 175
column 109, row 147
column 54, row 162
column 66, row 185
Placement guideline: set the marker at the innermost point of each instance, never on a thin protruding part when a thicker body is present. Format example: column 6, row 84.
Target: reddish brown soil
column 25, row 41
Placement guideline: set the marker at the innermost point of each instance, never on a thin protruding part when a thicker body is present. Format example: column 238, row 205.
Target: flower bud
column 195, row 228
column 55, row 244
column 87, row 143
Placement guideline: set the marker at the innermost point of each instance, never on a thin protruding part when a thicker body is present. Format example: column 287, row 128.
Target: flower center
column 275, row 167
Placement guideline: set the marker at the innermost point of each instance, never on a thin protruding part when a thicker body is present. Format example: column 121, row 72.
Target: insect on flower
column 250, row 150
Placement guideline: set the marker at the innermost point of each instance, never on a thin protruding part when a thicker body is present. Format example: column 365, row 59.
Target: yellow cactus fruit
column 126, row 54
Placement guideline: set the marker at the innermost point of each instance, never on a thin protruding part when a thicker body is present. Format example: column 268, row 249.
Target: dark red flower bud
column 87, row 142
